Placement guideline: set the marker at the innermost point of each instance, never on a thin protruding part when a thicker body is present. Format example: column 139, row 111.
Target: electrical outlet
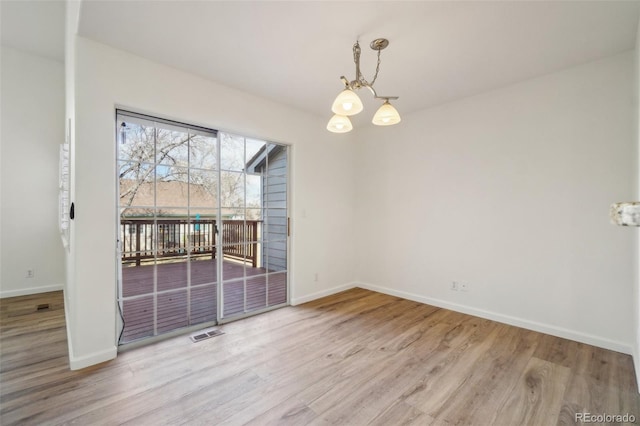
column 463, row 286
column 455, row 286
column 30, row 273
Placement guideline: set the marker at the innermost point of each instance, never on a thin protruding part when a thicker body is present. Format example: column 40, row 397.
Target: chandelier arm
column 375, row 94
column 370, row 87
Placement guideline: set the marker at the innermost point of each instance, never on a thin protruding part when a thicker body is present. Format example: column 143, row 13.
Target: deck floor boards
column 245, row 290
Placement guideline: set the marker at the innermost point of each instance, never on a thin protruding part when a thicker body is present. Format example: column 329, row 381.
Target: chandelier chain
column 356, row 59
column 375, row 77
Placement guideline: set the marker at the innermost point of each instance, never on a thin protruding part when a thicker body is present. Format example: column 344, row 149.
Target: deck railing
column 144, row 239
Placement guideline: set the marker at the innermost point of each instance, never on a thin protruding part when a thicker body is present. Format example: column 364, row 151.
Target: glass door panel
column 139, row 318
column 254, row 225
column 233, row 293
column 277, row 288
column 204, row 303
column 172, row 311
column 256, row 293
column 276, row 225
column 168, row 214
column 203, row 224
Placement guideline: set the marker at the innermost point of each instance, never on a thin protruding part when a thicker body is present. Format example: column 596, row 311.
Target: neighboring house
column 270, row 162
column 171, row 196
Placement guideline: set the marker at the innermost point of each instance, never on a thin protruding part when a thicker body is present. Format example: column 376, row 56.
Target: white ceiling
column 295, row 51
column 34, row 26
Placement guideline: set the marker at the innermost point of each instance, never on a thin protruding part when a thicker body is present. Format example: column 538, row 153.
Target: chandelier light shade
column 348, row 103
column 339, row 124
column 386, row 115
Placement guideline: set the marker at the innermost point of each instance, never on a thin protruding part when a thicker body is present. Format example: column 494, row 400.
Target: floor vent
column 207, row 334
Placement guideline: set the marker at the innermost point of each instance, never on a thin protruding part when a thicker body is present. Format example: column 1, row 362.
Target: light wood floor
column 357, row 358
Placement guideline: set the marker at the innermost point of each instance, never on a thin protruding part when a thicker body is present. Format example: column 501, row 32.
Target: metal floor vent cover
column 206, row 334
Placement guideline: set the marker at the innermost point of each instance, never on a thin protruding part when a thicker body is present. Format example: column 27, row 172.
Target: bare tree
column 149, row 153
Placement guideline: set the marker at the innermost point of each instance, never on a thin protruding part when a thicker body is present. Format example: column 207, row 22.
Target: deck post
column 137, row 244
column 212, row 230
column 254, row 248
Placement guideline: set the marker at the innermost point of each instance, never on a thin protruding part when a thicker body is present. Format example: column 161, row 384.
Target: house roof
column 260, row 158
column 172, row 199
column 169, row 194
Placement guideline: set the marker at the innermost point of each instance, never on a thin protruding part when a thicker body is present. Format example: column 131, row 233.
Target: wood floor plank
column 357, row 357
column 290, row 412
column 491, row 377
column 584, row 395
column 183, row 397
column 557, row 350
column 451, row 365
column 536, row 399
column 401, row 413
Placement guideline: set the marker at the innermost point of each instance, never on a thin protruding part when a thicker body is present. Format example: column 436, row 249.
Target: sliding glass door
column 197, row 208
column 254, row 225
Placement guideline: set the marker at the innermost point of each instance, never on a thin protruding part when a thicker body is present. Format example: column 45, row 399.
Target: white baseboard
column 636, row 362
column 78, row 363
column 507, row 319
column 31, row 290
column 328, row 292
column 67, row 316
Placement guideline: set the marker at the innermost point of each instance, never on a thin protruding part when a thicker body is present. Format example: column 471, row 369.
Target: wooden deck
column 245, row 289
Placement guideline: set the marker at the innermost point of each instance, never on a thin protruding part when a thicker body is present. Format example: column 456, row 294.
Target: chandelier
column 348, row 103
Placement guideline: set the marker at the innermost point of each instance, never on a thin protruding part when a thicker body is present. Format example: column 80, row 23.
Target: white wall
column 72, row 16
column 509, row 191
column 322, row 178
column 32, row 126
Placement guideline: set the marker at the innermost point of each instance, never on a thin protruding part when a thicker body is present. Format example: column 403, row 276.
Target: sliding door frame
column 221, row 318
column 261, row 242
